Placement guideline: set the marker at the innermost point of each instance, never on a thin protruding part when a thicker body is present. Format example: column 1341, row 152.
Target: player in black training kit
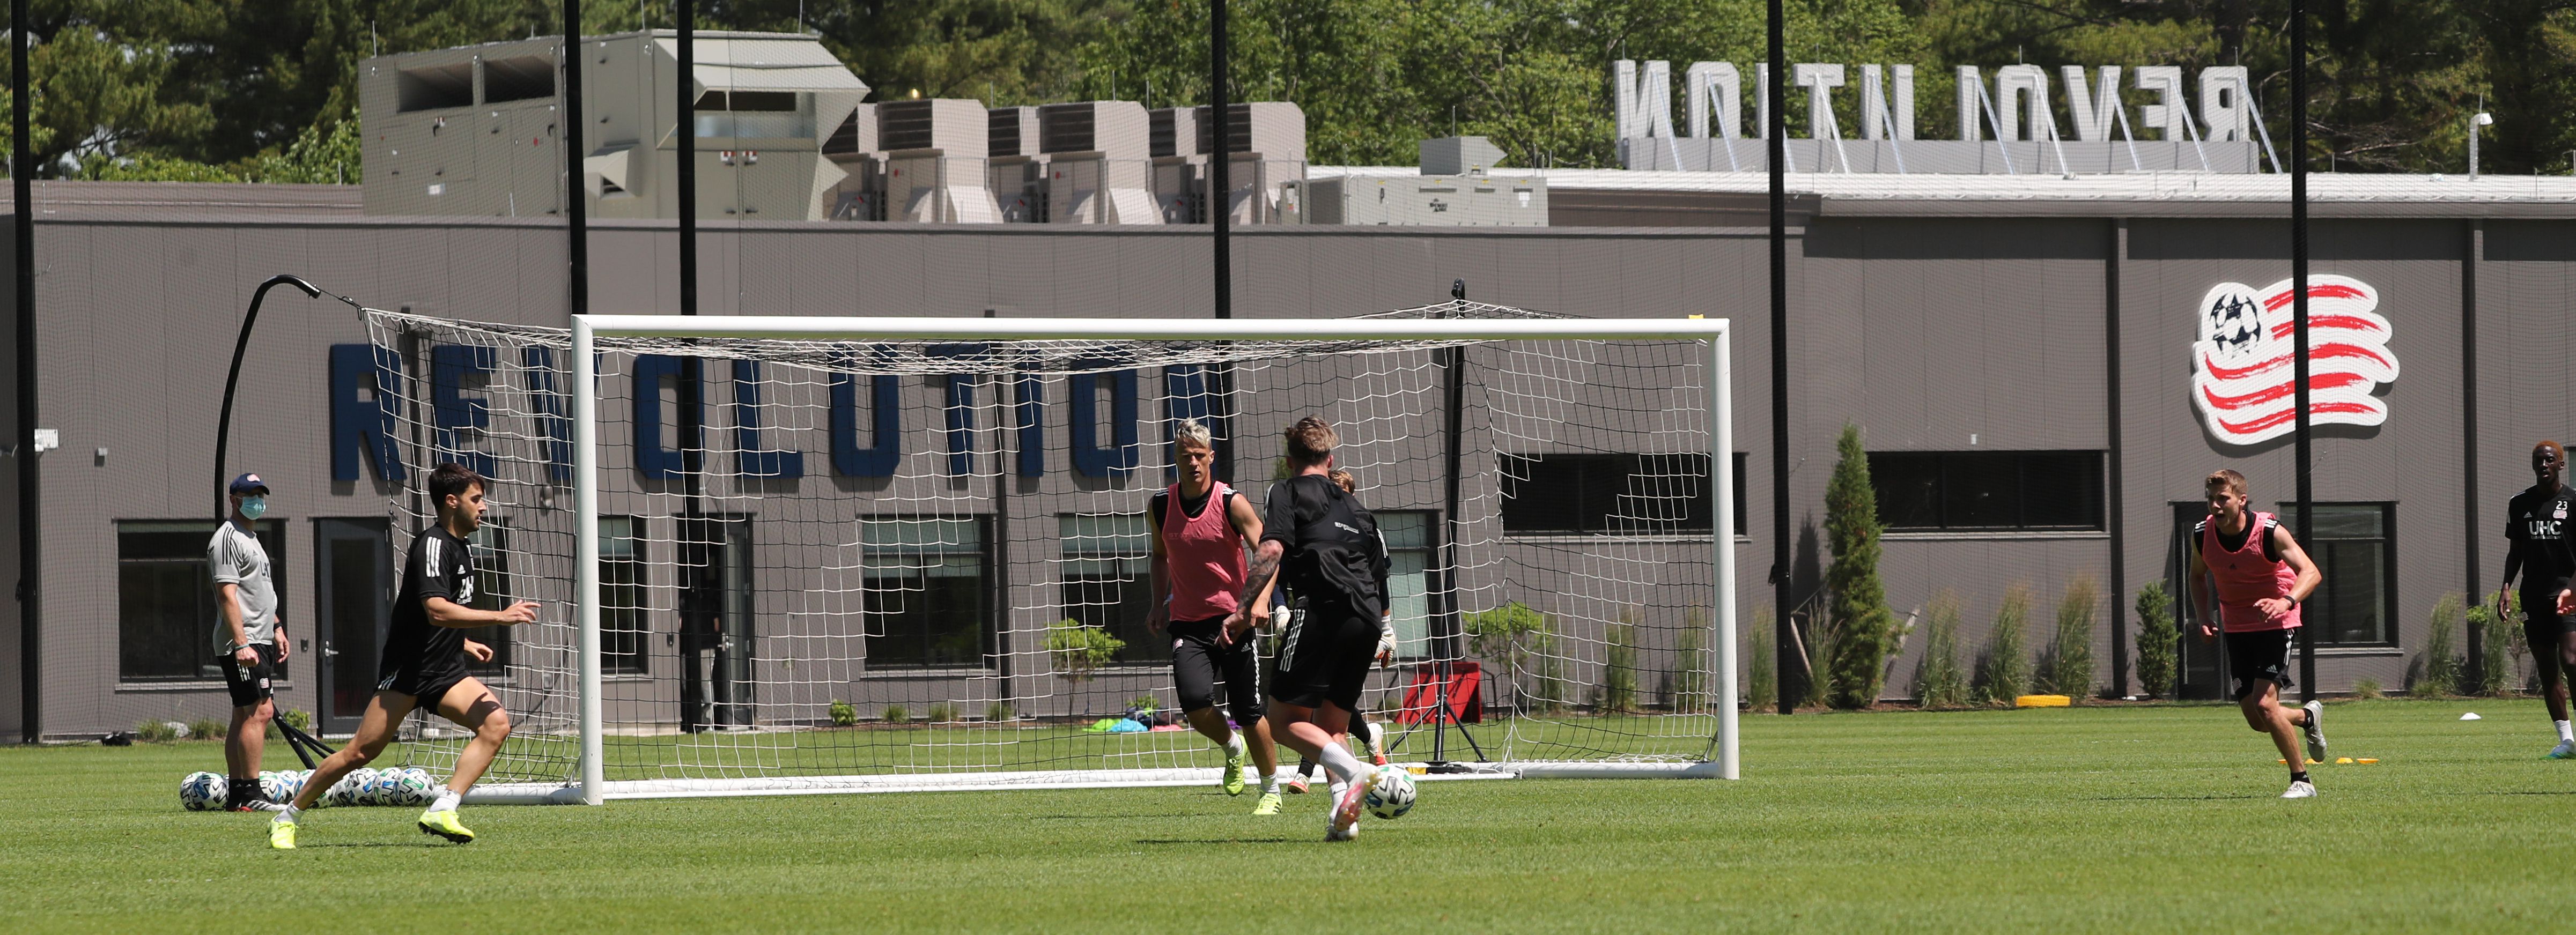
column 1334, row 561
column 2536, row 527
column 424, row 661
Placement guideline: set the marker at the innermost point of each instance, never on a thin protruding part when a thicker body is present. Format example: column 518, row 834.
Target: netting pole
column 1721, row 457
column 585, row 561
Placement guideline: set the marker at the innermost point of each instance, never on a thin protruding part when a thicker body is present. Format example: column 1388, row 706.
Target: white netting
column 887, row 558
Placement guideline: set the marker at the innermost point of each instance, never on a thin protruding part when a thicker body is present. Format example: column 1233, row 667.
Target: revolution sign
column 2241, row 368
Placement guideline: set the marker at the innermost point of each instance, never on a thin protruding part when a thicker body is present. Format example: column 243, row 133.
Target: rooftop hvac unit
column 935, row 161
column 1098, row 163
column 1460, row 155
column 1018, row 175
column 853, row 147
column 1417, row 201
column 1180, row 173
column 1265, row 148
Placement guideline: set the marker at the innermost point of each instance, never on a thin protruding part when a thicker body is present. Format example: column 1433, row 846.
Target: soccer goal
column 784, row 555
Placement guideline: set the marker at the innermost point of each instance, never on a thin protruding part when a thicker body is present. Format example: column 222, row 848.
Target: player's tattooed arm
column 1265, row 566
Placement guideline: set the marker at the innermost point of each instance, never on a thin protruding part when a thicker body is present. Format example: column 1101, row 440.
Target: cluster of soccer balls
column 407, row 785
column 1392, row 795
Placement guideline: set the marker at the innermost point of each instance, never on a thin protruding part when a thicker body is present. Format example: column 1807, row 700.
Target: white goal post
column 1615, row 668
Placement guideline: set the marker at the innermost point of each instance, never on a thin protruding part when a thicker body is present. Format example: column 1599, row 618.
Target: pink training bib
column 2244, row 575
column 1204, row 556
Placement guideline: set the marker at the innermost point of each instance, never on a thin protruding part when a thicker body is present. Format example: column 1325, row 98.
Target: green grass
column 2100, row 819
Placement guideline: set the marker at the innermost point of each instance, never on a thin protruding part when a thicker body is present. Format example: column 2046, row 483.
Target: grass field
column 2110, row 819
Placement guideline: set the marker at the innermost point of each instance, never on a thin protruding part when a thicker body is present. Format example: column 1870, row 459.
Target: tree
column 1863, row 625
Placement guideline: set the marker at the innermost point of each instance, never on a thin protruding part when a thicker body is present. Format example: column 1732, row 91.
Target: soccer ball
column 352, row 788
column 409, row 785
column 1392, row 795
column 273, row 785
column 204, row 792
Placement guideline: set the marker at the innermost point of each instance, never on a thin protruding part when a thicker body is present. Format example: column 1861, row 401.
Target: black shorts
column 2542, row 628
column 1325, row 656
column 2262, row 655
column 1200, row 664
column 425, row 687
column 249, row 684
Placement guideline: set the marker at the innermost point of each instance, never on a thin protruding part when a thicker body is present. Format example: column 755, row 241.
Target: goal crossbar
column 588, row 331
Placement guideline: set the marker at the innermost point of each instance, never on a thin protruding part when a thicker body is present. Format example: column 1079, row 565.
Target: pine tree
column 1861, row 620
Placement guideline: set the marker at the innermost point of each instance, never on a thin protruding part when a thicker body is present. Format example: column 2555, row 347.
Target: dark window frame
column 200, row 619
column 626, row 620
column 987, row 636
column 1078, row 594
column 1960, row 491
column 1599, row 494
column 493, row 590
column 2322, row 550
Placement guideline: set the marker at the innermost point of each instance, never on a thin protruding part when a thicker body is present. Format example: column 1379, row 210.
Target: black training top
column 441, row 565
column 1331, row 542
column 2536, row 526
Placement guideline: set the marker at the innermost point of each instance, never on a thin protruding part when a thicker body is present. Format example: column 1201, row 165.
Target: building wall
column 1920, row 331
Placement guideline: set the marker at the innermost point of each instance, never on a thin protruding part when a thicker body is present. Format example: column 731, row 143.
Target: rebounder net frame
column 783, row 555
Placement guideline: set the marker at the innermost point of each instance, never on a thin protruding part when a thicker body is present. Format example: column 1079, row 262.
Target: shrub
column 2158, row 640
column 206, row 728
column 1617, row 692
column 1940, row 682
column 157, row 731
column 842, row 714
column 1145, row 702
column 2496, row 662
column 297, row 718
column 1000, row 711
column 1820, row 653
column 2365, row 689
column 2004, row 671
column 895, row 714
column 941, row 713
column 1508, row 635
column 1864, row 629
column 1689, row 675
column 1762, row 661
column 2070, row 656
column 1078, row 650
column 2437, row 669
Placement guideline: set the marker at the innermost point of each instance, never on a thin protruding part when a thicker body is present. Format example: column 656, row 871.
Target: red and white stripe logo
column 2241, row 369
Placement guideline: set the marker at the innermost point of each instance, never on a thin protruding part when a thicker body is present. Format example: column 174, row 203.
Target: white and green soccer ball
column 273, row 785
column 411, row 785
column 1392, row 794
column 351, row 789
column 204, row 792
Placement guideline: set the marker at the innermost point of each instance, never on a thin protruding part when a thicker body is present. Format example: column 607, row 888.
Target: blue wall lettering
column 653, row 459
column 365, row 426
column 750, row 459
column 1026, row 389
column 1090, row 458
column 961, row 409
column 452, row 414
column 886, row 422
column 550, row 404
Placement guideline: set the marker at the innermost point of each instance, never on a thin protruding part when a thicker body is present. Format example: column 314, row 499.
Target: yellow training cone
column 2343, row 760
column 2042, row 701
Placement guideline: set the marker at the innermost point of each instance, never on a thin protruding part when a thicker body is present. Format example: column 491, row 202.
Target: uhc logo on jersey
column 2241, row 367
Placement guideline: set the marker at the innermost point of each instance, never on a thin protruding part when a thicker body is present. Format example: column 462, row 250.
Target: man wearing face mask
column 250, row 640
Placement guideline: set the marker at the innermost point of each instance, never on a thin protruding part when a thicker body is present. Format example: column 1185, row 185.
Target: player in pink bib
column 1201, row 527
column 2259, row 575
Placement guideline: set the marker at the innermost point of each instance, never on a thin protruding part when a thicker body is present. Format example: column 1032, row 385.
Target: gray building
column 2020, row 354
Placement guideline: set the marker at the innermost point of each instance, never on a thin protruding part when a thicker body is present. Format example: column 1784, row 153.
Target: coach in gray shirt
column 250, row 641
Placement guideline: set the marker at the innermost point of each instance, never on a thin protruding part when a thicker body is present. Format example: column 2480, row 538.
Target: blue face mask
column 252, row 507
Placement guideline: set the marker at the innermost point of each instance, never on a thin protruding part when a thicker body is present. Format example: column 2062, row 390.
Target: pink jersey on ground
column 1204, row 556
column 2244, row 575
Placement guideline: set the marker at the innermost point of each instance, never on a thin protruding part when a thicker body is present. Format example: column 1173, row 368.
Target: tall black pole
column 685, row 139
column 1775, row 130
column 576, row 194
column 697, row 536
column 22, row 171
column 2472, row 247
column 232, row 380
column 2118, row 527
column 2299, row 307
column 1220, row 191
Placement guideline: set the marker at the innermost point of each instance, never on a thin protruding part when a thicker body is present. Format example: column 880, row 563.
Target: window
column 925, row 593
column 492, row 591
column 1933, row 491
column 1408, row 577
column 518, row 79
column 621, row 596
column 165, row 598
column 2353, row 546
column 1620, row 494
column 1107, row 579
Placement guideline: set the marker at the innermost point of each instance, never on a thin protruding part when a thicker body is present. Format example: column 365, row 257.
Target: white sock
column 1341, row 764
column 1336, row 789
column 286, row 816
column 1270, row 783
column 1370, row 734
column 446, row 800
column 1233, row 744
column 2565, row 733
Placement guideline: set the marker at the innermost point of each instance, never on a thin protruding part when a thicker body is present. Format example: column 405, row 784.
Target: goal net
column 782, row 555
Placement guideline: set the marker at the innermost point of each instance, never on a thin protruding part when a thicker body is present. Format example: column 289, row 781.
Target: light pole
column 2483, row 119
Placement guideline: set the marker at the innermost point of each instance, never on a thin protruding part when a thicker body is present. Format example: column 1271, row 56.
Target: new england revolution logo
column 2241, row 369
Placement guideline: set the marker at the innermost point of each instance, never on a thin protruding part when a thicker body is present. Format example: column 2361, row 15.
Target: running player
column 1334, row 562
column 2536, row 530
column 1201, row 527
column 1369, row 734
column 2260, row 575
column 424, row 661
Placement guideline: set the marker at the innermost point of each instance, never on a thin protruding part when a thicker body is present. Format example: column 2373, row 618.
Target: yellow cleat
column 281, row 834
column 1269, row 804
column 1232, row 781
column 443, row 824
